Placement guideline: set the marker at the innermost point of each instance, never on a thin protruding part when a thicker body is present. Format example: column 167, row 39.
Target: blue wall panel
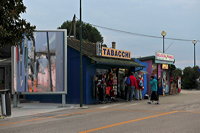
column 89, row 70
column 73, row 74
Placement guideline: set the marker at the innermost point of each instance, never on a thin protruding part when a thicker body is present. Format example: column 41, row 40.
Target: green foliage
column 172, row 67
column 190, row 76
column 176, row 73
column 89, row 33
column 12, row 26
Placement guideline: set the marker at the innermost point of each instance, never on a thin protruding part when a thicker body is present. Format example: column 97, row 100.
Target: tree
column 12, row 26
column 90, row 33
column 190, row 76
column 176, row 73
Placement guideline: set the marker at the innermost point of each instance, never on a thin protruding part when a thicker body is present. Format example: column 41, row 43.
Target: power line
column 169, row 46
column 143, row 35
column 127, row 32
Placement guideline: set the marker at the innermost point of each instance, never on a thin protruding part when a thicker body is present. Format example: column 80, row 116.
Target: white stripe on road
column 107, row 106
column 112, row 105
column 131, row 104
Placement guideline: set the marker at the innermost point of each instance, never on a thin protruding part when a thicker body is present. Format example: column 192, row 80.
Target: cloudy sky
column 179, row 18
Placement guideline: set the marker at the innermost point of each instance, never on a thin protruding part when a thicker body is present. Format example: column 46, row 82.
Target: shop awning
column 164, row 62
column 115, row 62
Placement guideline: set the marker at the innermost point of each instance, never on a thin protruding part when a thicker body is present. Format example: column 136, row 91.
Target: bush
column 190, row 76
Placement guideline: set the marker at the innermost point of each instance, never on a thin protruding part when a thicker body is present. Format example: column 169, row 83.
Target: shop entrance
column 2, row 78
column 109, row 84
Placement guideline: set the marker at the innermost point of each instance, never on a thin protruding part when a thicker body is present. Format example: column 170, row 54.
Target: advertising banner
column 40, row 63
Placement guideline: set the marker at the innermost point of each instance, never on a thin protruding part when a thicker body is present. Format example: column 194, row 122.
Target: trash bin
column 5, row 102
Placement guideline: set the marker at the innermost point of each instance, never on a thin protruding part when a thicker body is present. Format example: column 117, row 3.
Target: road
column 176, row 114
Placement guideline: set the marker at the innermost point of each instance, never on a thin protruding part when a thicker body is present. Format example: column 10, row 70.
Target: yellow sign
column 110, row 52
column 165, row 66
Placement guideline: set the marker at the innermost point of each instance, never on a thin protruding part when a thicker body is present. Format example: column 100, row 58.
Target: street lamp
column 163, row 33
column 194, row 42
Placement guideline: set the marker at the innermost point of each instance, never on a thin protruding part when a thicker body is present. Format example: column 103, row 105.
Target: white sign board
column 164, row 57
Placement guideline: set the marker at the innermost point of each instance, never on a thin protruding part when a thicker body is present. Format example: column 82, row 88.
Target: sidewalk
column 25, row 109
column 32, row 108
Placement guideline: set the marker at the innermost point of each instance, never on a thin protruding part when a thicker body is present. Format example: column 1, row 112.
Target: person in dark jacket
column 100, row 85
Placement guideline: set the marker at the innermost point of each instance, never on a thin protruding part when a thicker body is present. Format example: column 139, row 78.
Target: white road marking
column 131, row 104
column 107, row 106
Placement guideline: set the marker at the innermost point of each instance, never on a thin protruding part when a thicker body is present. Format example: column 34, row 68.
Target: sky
column 179, row 18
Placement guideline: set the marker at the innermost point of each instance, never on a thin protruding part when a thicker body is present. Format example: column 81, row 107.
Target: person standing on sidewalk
column 154, row 91
column 133, row 84
column 128, row 91
column 140, row 87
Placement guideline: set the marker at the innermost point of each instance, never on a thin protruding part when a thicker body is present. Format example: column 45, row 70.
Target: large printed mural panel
column 41, row 63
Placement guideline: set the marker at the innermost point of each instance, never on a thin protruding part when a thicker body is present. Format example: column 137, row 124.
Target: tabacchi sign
column 110, row 52
column 165, row 57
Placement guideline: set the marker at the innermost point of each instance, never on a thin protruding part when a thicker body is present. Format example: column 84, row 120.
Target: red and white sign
column 164, row 57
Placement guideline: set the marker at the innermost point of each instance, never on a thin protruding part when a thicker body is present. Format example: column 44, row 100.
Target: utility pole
column 74, row 22
column 73, row 25
column 81, row 64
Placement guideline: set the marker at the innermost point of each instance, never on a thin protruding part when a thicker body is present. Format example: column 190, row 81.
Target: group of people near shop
column 135, row 86
column 132, row 88
column 106, row 86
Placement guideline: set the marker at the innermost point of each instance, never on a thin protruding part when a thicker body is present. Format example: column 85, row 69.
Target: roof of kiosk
column 89, row 49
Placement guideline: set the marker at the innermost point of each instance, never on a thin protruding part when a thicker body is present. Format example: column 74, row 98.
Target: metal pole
column 15, row 100
column 194, row 56
column 63, row 100
column 74, row 20
column 65, row 67
column 3, row 104
column 81, row 68
column 163, row 44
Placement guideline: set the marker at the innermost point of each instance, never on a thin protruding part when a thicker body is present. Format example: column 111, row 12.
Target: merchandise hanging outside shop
column 110, row 84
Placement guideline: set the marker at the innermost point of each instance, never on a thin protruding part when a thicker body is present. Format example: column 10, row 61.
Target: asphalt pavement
column 175, row 114
column 33, row 108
